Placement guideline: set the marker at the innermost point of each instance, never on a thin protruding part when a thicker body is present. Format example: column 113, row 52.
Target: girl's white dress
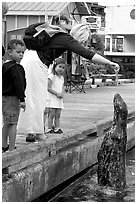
column 57, row 84
column 31, row 121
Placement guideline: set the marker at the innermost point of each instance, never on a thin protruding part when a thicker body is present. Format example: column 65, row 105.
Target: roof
column 36, row 8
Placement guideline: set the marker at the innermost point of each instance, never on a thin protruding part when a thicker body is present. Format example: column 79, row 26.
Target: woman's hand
column 102, row 60
column 115, row 66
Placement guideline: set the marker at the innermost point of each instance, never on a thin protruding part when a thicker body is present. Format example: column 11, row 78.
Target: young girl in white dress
column 55, row 96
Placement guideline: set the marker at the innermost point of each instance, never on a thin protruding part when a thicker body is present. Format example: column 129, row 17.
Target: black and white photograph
column 68, row 101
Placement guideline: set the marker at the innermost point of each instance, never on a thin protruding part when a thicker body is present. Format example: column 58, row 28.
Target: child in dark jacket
column 13, row 93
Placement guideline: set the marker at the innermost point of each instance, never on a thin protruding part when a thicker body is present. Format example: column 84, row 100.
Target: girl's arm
column 63, row 89
column 59, row 95
column 50, row 89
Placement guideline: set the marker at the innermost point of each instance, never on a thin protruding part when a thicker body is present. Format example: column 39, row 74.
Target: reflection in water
column 87, row 189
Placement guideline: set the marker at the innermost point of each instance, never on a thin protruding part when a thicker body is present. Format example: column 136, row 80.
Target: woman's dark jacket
column 58, row 44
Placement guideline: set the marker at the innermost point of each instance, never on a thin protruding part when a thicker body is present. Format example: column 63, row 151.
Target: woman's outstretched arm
column 102, row 60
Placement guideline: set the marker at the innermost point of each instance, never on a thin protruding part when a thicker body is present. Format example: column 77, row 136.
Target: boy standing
column 13, row 93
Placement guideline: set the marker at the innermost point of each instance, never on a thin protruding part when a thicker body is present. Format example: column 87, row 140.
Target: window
column 19, row 37
column 107, row 44
column 42, row 18
column 114, row 43
column 10, row 22
column 33, row 19
column 21, row 21
column 13, row 37
column 117, row 44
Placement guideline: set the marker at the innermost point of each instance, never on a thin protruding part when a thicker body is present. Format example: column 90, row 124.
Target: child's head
column 59, row 66
column 16, row 50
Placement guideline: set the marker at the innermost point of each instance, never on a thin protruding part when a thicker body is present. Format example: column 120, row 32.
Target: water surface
column 86, row 188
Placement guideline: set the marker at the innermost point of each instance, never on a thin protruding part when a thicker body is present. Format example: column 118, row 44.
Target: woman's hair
column 56, row 19
column 56, row 62
column 80, row 32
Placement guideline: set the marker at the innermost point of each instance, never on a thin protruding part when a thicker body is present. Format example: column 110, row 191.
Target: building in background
column 120, row 37
column 21, row 14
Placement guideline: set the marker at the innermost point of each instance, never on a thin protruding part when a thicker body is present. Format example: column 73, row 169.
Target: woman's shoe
column 50, row 131
column 47, row 130
column 4, row 149
column 58, row 131
column 31, row 138
column 7, row 150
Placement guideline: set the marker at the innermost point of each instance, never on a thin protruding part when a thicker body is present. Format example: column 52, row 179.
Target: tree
column 97, row 42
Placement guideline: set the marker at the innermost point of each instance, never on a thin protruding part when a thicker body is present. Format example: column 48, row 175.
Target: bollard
column 112, row 154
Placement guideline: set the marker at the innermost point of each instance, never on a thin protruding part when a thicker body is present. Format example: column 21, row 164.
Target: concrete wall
column 31, row 172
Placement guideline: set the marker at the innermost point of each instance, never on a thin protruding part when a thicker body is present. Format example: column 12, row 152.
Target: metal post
column 116, row 78
column 4, row 33
column 46, row 12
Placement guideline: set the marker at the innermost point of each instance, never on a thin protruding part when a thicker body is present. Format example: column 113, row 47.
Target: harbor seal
column 112, row 154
